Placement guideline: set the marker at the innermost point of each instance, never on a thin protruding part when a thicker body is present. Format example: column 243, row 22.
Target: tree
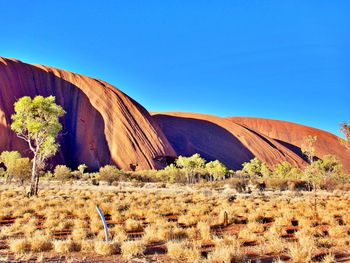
column 345, row 130
column 328, row 167
column 192, row 165
column 216, row 169
column 255, row 167
column 311, row 172
column 172, row 174
column 37, row 122
column 8, row 158
column 308, row 147
column 286, row 170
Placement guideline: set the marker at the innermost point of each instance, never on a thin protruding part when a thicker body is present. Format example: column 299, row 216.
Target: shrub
column 131, row 249
column 107, row 248
column 82, row 168
column 110, row 173
column 277, row 183
column 239, row 184
column 21, row 169
column 62, row 173
column 66, row 246
column 329, row 184
column 8, row 159
column 20, row 245
column 299, row 185
column 2, row 172
column 41, row 244
column 171, row 174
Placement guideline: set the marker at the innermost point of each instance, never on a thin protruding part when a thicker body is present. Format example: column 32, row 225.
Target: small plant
column 19, row 246
column 107, row 248
column 62, row 173
column 40, row 244
column 66, row 246
column 110, row 173
column 132, row 249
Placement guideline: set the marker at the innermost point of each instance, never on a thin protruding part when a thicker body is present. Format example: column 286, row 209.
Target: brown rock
column 236, row 140
column 219, row 138
column 291, row 135
column 102, row 124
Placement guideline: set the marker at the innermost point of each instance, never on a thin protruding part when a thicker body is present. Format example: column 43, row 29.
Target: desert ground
column 156, row 222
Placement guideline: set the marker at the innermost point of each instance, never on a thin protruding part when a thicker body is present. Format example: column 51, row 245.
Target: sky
column 286, row 60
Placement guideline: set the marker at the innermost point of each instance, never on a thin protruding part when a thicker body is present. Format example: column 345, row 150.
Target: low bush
column 110, row 173
column 62, row 173
column 239, row 184
column 277, row 183
column 329, row 184
column 299, row 185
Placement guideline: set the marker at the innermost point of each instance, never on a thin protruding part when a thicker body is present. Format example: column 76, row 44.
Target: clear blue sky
column 286, row 60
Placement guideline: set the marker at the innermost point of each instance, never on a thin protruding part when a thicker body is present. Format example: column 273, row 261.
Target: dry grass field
column 178, row 224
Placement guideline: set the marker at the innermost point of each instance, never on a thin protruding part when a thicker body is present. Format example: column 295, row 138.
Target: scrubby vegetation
column 197, row 225
column 193, row 210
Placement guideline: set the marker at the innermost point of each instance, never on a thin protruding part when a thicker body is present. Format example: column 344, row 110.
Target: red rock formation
column 219, row 138
column 291, row 135
column 236, row 140
column 102, row 124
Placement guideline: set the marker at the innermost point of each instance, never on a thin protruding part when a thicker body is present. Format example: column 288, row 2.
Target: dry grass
column 19, row 246
column 107, row 248
column 132, row 249
column 187, row 224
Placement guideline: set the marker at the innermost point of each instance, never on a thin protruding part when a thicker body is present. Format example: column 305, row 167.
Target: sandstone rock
column 237, row 139
column 102, row 125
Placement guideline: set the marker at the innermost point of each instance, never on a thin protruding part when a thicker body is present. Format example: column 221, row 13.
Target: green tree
column 37, row 122
column 311, row 172
column 172, row 174
column 255, row 167
column 329, row 166
column 192, row 165
column 216, row 169
column 8, row 158
column 345, row 130
column 308, row 147
column 286, row 170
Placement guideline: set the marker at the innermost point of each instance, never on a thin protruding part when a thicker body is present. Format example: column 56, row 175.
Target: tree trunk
column 34, row 180
column 315, row 199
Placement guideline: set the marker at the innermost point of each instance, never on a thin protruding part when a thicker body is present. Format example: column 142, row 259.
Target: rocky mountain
column 236, row 140
column 103, row 125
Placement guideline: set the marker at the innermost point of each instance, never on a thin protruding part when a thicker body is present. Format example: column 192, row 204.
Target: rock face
column 236, row 140
column 102, row 124
column 291, row 135
column 219, row 138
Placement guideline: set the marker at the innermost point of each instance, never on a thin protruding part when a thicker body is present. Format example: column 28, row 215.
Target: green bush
column 62, row 173
column 110, row 173
column 21, row 170
column 255, row 167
